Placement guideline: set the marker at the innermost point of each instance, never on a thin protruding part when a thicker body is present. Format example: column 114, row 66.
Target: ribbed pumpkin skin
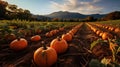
column 59, row 45
column 35, row 38
column 67, row 37
column 18, row 44
column 45, row 58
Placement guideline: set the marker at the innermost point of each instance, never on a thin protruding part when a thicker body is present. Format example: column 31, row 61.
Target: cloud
column 81, row 6
column 4, row 0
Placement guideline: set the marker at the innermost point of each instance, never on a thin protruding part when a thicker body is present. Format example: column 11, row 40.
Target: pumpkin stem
column 18, row 38
column 44, row 46
column 58, row 38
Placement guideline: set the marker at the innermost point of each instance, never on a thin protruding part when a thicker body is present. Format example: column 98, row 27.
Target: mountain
column 65, row 15
column 97, row 15
column 41, row 17
column 71, row 15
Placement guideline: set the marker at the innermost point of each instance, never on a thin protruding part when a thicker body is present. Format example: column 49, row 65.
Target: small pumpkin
column 10, row 36
column 67, row 37
column 106, row 36
column 112, row 28
column 60, row 45
column 117, row 30
column 36, row 38
column 94, row 29
column 71, row 33
column 38, row 31
column 48, row 34
column 61, row 29
column 22, row 31
column 45, row 56
column 101, row 34
column 18, row 44
column 98, row 32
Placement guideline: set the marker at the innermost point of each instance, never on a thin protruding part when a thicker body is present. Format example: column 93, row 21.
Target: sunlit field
column 75, row 43
column 59, row 33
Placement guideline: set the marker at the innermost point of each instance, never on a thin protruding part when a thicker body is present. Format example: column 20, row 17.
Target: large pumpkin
column 67, row 37
column 60, row 45
column 18, row 44
column 45, row 57
column 35, row 38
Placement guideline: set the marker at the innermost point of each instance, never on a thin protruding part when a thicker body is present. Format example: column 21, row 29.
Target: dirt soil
column 77, row 55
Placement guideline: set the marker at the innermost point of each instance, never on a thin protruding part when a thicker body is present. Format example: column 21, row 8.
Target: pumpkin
column 117, row 30
column 101, row 34
column 61, row 29
column 106, row 35
column 98, row 32
column 94, row 29
column 18, row 44
column 35, row 38
column 48, row 34
column 60, row 45
column 22, row 31
column 53, row 32
column 38, row 31
column 45, row 56
column 67, row 37
column 10, row 36
column 71, row 33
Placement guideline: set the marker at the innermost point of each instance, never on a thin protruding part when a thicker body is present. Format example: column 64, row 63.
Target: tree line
column 9, row 12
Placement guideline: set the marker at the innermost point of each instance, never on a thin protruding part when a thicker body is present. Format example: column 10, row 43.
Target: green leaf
column 117, row 41
column 96, row 63
column 105, row 61
column 118, row 50
column 95, row 43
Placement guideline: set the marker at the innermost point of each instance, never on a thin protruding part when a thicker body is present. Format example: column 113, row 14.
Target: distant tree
column 112, row 16
column 3, row 9
column 55, row 19
column 89, row 18
column 12, row 8
column 24, row 15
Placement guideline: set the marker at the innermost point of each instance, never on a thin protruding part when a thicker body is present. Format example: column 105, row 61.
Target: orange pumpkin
column 117, row 30
column 60, row 45
column 10, row 36
column 35, row 38
column 98, row 32
column 106, row 36
column 71, row 33
column 101, row 34
column 48, row 34
column 38, row 31
column 45, row 57
column 94, row 29
column 67, row 37
column 61, row 29
column 22, row 31
column 18, row 44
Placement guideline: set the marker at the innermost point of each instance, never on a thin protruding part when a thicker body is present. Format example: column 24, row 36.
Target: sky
column 43, row 7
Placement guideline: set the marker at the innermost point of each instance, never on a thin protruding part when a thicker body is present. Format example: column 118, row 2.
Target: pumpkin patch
column 18, row 44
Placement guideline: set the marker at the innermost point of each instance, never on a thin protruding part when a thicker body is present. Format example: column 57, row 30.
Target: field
column 91, row 45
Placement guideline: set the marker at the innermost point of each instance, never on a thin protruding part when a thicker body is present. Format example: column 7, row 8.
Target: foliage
column 112, row 16
column 104, row 63
column 96, row 42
